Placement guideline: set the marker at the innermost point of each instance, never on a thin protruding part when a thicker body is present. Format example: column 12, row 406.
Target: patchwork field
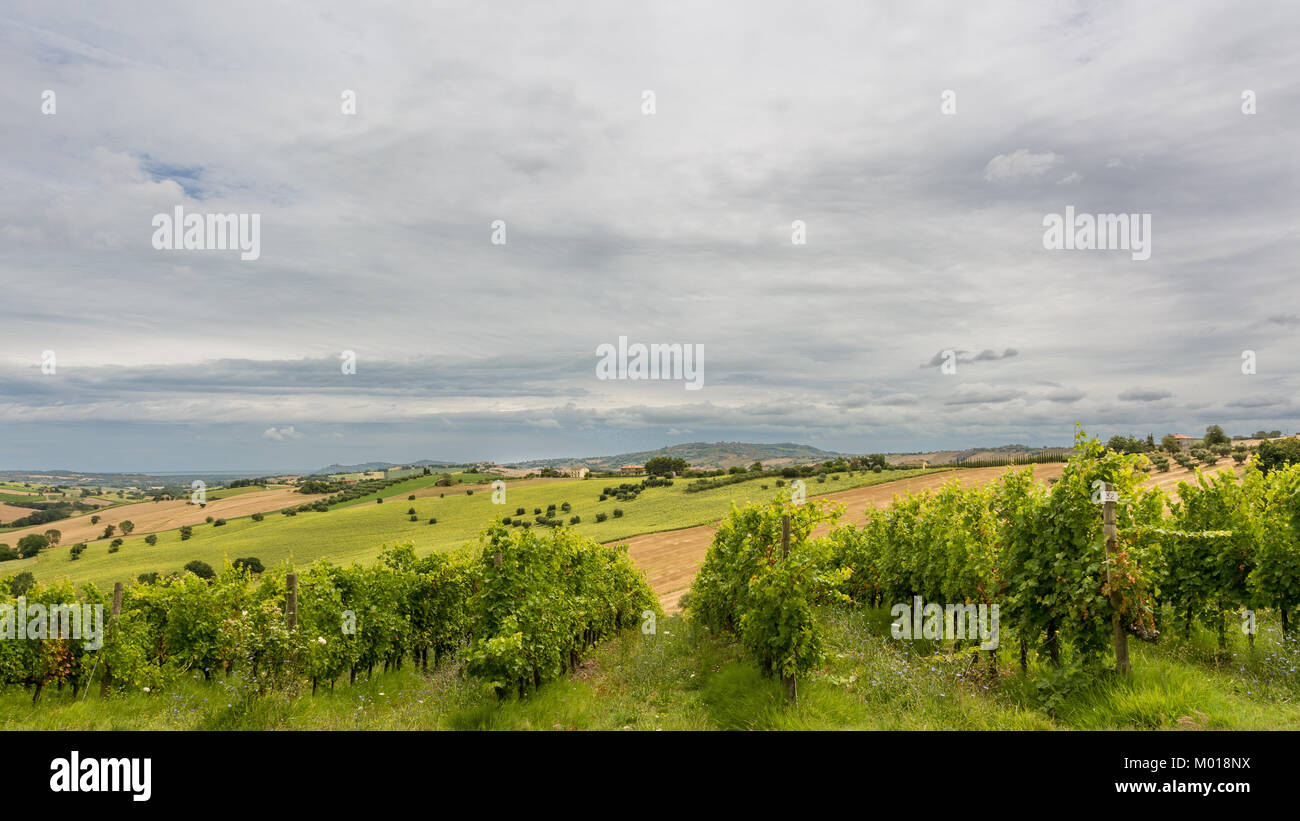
column 151, row 517
column 358, row 531
column 667, row 530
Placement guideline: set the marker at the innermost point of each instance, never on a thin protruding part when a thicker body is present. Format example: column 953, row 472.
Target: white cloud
column 1019, row 165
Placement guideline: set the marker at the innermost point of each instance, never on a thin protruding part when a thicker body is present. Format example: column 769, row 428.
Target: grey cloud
column 1141, row 395
column 1065, row 396
column 922, row 229
column 960, row 356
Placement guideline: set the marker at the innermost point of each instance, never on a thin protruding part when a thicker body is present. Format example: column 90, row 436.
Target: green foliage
column 31, row 544
column 21, row 583
column 1214, row 435
column 252, row 564
column 539, row 602
column 1037, row 553
column 202, row 570
column 1275, row 455
column 747, row 588
column 1274, row 528
column 665, row 465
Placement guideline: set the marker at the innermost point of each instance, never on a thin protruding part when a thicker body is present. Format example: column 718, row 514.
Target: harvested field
column 152, row 517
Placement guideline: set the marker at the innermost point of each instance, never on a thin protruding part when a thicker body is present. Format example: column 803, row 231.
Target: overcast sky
column 924, row 230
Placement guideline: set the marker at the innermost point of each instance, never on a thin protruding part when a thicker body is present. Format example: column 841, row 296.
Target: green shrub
column 250, row 563
column 201, row 569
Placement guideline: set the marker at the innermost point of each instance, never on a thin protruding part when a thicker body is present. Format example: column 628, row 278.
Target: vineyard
column 1219, row 554
column 537, row 626
column 522, row 609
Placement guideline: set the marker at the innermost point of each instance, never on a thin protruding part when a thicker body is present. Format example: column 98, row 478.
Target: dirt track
column 671, row 559
column 152, row 517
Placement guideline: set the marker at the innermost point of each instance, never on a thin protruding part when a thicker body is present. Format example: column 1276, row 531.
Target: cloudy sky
column 924, row 229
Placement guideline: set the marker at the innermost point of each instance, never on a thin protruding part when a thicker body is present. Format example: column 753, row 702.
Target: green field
column 20, row 497
column 19, row 486
column 357, row 532
column 415, row 483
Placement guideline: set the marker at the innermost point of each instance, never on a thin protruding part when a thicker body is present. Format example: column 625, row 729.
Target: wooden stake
column 112, row 623
column 291, row 601
column 1111, row 533
column 291, row 608
column 791, row 686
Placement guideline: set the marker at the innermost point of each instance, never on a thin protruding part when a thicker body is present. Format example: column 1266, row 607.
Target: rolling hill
column 700, row 455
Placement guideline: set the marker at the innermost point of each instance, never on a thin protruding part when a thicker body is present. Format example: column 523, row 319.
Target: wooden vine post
column 291, row 606
column 291, row 600
column 1111, row 533
column 107, row 680
column 791, row 687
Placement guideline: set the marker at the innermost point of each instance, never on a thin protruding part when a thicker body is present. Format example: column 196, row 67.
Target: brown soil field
column 152, row 517
column 8, row 512
column 670, row 559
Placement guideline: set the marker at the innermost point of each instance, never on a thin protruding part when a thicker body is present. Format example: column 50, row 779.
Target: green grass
column 415, row 483
column 18, row 486
column 21, row 497
column 357, row 532
column 684, row 679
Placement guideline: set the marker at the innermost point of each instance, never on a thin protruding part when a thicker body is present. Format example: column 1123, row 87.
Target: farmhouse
column 632, row 470
column 1186, row 442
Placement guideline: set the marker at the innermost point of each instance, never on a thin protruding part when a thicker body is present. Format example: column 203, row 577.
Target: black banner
column 144, row 771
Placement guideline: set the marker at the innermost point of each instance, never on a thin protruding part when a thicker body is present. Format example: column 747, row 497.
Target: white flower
column 320, row 639
column 146, row 689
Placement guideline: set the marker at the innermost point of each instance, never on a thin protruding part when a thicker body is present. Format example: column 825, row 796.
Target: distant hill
column 368, row 466
column 699, row 455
